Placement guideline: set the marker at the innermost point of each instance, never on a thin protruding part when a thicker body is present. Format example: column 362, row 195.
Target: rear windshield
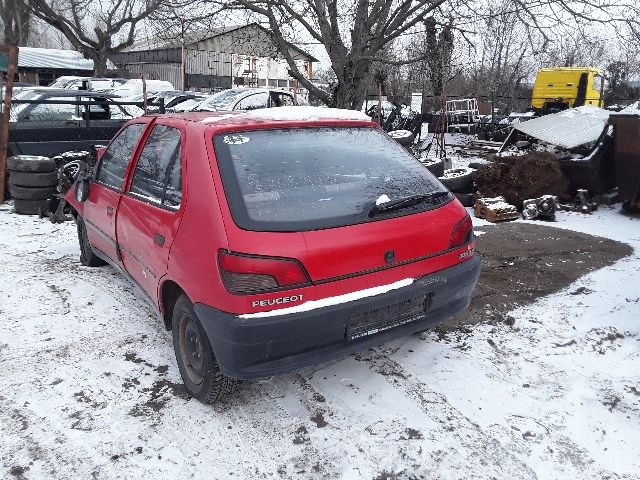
column 313, row 178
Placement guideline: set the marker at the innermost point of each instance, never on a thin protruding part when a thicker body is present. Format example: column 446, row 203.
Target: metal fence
column 51, row 126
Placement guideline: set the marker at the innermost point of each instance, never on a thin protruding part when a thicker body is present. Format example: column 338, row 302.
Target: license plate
column 372, row 321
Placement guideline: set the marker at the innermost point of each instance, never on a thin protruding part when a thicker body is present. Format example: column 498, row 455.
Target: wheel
column 434, row 165
column 403, row 137
column 457, row 179
column 30, row 163
column 467, row 199
column 31, row 193
column 197, row 364
column 87, row 257
column 630, row 207
column 33, row 179
column 28, row 207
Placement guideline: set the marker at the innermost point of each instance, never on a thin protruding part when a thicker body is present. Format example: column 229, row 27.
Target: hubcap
column 191, row 349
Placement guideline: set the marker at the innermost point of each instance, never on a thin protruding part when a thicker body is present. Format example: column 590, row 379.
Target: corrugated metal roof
column 176, row 42
column 569, row 128
column 199, row 36
column 52, row 58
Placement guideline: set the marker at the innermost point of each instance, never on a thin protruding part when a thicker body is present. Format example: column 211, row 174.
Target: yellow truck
column 560, row 88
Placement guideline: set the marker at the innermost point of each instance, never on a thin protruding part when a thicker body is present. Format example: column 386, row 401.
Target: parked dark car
column 268, row 242
column 47, row 121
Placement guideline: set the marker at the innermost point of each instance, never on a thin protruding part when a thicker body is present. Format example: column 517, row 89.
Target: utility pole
column 12, row 57
column 182, row 69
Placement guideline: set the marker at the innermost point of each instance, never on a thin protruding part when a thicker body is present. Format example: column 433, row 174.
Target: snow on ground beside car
column 90, row 389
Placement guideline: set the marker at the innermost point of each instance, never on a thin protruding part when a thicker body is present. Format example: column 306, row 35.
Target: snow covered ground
column 89, row 386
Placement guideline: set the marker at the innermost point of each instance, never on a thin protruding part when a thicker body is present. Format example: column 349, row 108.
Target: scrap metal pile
column 571, row 160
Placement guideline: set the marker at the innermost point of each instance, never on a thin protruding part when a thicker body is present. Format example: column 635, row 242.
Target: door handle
column 158, row 239
column 109, row 211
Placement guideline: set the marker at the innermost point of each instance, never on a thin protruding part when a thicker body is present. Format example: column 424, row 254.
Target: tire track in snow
column 455, row 426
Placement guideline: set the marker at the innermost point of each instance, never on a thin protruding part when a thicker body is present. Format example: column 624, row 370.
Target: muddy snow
column 90, row 389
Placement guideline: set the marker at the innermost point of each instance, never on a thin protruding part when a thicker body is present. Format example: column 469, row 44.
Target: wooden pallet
column 495, row 210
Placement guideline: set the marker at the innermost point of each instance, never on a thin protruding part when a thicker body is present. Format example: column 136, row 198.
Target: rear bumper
column 261, row 347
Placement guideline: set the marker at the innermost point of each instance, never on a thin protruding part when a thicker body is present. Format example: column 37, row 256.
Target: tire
column 31, row 193
column 28, row 207
column 87, row 257
column 33, row 179
column 403, row 137
column 70, row 156
column 196, row 361
column 630, row 207
column 467, row 199
column 30, row 163
column 434, row 165
column 457, row 179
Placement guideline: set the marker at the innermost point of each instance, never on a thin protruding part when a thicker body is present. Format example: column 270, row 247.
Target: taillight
column 243, row 274
column 462, row 233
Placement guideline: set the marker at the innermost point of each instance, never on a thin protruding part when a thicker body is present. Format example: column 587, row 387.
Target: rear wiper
column 405, row 202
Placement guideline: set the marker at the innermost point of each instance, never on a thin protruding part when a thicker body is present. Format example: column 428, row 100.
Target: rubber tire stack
column 403, row 137
column 460, row 182
column 32, row 180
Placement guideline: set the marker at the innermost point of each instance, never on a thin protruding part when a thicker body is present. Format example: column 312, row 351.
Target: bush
column 523, row 177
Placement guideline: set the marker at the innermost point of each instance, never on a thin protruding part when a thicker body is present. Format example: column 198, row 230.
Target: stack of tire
column 32, row 180
column 460, row 182
column 403, row 137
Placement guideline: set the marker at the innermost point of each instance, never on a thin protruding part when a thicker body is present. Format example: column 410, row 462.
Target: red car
column 273, row 239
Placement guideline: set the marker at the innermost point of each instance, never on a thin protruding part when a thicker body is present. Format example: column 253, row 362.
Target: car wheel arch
column 170, row 291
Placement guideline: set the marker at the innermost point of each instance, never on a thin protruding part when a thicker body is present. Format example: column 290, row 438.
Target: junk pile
column 543, row 208
column 572, row 160
column 38, row 184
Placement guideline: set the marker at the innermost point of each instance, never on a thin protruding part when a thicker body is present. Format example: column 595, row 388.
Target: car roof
column 278, row 115
column 61, row 92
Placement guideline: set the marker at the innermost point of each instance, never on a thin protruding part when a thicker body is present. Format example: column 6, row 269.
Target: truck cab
column 561, row 88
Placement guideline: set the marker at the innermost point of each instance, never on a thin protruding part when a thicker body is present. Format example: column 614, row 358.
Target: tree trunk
column 99, row 62
column 352, row 85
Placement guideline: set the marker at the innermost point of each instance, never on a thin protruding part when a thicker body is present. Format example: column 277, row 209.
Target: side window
column 281, row 100
column 158, row 174
column 115, row 159
column 98, row 110
column 44, row 111
column 253, row 102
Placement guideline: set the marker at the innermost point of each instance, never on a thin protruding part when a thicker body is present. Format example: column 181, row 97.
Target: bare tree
column 15, row 22
column 99, row 29
column 355, row 33
column 352, row 33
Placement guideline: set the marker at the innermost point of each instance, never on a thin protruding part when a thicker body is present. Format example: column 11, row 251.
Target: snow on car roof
column 301, row 113
column 289, row 113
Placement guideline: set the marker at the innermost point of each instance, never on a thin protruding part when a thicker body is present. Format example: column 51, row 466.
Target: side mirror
column 82, row 188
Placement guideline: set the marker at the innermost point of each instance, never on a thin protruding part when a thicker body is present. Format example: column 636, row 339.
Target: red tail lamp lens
column 244, row 274
column 462, row 233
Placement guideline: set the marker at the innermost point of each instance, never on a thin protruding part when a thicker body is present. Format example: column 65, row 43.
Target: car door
column 150, row 210
column 100, row 209
column 253, row 102
column 46, row 128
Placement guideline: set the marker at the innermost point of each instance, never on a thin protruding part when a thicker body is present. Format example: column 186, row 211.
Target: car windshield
column 221, row 100
column 17, row 108
column 307, row 179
